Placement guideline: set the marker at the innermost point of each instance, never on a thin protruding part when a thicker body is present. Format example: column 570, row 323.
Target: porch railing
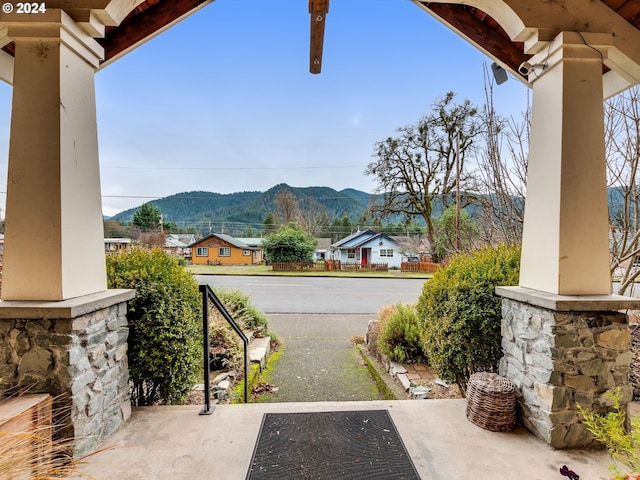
column 208, row 295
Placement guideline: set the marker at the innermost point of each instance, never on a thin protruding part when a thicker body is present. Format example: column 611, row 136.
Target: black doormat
column 330, row 445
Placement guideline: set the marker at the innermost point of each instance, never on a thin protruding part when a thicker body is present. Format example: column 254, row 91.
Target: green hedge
column 461, row 314
column 165, row 350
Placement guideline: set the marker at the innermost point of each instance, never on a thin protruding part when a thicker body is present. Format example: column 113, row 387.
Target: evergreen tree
column 147, row 218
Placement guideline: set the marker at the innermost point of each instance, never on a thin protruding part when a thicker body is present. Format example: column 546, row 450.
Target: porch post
column 565, row 248
column 54, row 247
column 565, row 343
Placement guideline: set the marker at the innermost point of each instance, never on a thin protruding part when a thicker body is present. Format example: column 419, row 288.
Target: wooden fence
column 297, row 266
column 367, row 267
column 421, row 267
column 328, row 266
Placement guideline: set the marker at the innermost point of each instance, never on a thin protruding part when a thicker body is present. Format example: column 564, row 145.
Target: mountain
column 204, row 209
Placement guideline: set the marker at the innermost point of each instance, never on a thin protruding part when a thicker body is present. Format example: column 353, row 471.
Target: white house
column 322, row 251
column 115, row 244
column 178, row 244
column 367, row 247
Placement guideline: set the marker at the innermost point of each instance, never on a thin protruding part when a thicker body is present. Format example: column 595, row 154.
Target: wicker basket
column 491, row 402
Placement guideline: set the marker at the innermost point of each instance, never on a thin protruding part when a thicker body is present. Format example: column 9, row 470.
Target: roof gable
column 375, row 239
column 323, row 243
column 359, row 238
column 349, row 239
column 225, row 238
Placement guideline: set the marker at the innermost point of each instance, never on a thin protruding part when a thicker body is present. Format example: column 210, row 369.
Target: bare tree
column 313, row 216
column 417, row 166
column 287, row 208
column 502, row 175
column 152, row 239
column 622, row 134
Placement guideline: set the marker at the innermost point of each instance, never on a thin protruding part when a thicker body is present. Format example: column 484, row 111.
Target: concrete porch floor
column 177, row 443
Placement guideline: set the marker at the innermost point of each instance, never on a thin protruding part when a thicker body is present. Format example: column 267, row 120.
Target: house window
column 246, row 253
column 202, row 252
column 351, row 253
column 224, row 252
column 386, row 252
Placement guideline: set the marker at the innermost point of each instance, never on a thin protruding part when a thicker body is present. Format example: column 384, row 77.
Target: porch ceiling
column 151, row 17
column 144, row 22
column 482, row 30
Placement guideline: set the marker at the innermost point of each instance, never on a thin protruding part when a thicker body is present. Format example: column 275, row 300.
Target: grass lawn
column 266, row 270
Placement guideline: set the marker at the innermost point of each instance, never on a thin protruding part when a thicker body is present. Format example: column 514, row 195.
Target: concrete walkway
column 176, row 443
column 318, row 362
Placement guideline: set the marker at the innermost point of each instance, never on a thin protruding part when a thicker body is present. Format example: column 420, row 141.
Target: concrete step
column 259, row 350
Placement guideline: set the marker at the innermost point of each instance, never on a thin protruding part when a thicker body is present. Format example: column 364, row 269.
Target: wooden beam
column 318, row 10
column 142, row 24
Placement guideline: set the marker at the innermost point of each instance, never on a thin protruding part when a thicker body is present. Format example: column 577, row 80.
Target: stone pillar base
column 561, row 352
column 75, row 350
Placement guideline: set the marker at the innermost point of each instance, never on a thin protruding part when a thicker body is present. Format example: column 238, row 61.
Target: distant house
column 221, row 249
column 322, row 249
column 367, row 247
column 255, row 242
column 115, row 244
column 413, row 249
column 179, row 244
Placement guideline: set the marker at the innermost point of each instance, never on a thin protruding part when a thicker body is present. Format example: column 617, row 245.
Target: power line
column 308, row 167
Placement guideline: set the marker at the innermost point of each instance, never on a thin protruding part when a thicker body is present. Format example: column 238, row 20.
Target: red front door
column 364, row 260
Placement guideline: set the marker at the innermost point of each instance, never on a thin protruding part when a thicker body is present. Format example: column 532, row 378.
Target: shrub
column 164, row 324
column 238, row 304
column 461, row 313
column 289, row 244
column 246, row 315
column 384, row 313
column 400, row 335
column 610, row 429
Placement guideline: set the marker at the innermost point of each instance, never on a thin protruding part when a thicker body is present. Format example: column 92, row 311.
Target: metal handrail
column 209, row 295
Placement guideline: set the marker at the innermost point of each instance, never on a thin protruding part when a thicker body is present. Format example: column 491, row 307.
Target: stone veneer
column 76, row 350
column 562, row 353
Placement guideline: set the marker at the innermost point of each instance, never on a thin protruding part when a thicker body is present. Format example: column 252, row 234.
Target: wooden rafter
column 318, row 10
column 145, row 20
column 481, row 29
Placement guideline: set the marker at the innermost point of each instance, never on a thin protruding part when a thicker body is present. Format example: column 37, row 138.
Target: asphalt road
column 328, row 295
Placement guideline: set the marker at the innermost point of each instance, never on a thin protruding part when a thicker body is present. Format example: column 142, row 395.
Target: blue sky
column 224, row 100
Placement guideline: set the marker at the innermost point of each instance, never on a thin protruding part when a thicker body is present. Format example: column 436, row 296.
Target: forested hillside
column 205, row 211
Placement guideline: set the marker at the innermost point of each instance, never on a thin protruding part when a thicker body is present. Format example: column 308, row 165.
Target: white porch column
column 565, row 248
column 54, row 243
